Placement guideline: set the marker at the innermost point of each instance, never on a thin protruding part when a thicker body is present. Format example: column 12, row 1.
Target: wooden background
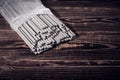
column 93, row 55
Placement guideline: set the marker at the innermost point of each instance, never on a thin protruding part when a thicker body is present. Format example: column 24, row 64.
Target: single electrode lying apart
column 35, row 24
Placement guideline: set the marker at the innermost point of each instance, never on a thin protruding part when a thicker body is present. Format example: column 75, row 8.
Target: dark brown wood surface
column 93, row 55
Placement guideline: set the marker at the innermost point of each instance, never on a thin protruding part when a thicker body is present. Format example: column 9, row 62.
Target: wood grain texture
column 93, row 55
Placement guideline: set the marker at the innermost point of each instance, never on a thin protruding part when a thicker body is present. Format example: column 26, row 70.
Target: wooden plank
column 93, row 3
column 61, row 73
column 110, row 19
column 11, row 37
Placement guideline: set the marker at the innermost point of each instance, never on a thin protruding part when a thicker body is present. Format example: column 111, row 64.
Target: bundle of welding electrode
column 35, row 24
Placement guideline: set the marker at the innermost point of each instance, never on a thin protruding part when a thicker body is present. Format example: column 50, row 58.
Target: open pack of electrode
column 35, row 24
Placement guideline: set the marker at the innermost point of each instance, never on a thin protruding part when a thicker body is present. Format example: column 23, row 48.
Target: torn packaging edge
column 23, row 18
